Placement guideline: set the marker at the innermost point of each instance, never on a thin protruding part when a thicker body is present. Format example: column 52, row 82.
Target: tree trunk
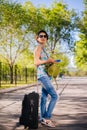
column 11, row 74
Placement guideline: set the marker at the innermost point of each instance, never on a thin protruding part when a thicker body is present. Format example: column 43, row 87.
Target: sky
column 76, row 4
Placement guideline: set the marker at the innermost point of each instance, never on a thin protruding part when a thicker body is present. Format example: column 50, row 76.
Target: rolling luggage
column 29, row 113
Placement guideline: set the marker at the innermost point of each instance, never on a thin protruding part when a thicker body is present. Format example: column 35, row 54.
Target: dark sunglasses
column 41, row 36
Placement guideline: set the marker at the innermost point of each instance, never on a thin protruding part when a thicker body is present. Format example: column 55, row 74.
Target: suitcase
column 29, row 113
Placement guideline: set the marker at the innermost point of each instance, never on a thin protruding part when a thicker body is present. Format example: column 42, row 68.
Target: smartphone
column 57, row 60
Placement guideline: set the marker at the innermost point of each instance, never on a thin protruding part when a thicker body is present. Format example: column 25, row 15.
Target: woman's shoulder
column 38, row 47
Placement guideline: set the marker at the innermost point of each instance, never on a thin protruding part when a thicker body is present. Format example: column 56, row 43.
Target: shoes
column 48, row 123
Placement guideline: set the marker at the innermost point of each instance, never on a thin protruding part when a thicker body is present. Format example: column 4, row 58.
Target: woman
column 40, row 59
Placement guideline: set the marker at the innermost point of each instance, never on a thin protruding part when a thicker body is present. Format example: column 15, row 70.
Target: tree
column 81, row 53
column 81, row 45
column 59, row 23
column 13, row 35
column 36, row 19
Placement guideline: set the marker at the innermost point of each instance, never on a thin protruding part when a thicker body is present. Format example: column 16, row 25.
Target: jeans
column 47, row 89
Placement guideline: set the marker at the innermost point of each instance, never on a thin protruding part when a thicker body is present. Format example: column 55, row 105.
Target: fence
column 18, row 74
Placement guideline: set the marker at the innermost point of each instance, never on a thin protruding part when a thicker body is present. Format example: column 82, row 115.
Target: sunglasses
column 41, row 36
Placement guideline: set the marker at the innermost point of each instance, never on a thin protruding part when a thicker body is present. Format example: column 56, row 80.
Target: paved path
column 70, row 112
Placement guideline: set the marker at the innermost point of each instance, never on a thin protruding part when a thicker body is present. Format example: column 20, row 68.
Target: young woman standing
column 40, row 59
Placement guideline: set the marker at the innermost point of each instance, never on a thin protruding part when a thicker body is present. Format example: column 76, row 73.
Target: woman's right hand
column 50, row 60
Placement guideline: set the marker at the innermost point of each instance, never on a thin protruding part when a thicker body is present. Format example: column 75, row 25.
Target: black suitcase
column 29, row 113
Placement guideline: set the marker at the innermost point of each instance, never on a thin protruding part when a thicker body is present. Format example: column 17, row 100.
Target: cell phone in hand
column 57, row 60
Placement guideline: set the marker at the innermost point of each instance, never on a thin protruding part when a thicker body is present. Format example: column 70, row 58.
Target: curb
column 16, row 88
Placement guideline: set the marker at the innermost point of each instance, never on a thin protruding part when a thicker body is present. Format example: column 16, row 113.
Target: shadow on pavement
column 3, row 127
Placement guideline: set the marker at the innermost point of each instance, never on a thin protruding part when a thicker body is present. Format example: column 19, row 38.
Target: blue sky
column 76, row 4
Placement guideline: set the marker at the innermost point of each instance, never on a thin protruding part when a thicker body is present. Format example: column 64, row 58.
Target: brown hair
column 43, row 32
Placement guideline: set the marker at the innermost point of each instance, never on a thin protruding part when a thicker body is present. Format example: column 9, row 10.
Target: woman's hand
column 50, row 60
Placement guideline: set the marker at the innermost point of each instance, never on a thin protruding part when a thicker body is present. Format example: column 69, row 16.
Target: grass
column 19, row 83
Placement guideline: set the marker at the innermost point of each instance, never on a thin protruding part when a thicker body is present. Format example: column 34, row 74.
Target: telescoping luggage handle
column 37, row 87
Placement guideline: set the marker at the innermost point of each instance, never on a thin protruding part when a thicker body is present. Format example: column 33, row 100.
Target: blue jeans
column 47, row 88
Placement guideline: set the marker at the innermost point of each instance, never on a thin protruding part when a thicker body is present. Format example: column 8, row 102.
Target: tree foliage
column 81, row 53
column 14, row 39
column 81, row 45
column 18, row 23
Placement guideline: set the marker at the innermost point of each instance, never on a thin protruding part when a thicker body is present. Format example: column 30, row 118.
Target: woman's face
column 42, row 38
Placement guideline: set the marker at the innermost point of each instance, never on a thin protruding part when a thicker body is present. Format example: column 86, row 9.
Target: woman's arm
column 37, row 60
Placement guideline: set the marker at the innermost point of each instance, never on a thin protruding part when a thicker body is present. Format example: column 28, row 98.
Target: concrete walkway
column 70, row 112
